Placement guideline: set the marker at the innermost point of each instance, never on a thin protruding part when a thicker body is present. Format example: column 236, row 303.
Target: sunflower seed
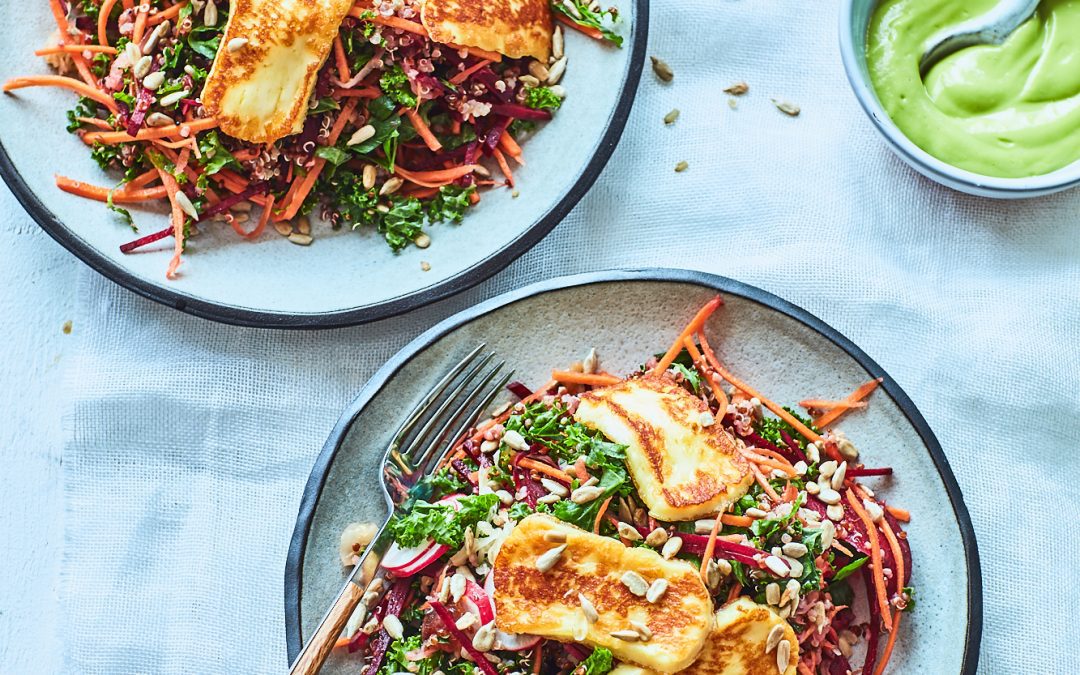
column 681, row 166
column 846, row 448
column 515, row 440
column 547, row 560
column 837, row 480
column 554, row 536
column 392, row 625
column 800, row 467
column 588, row 608
column 789, row 109
column 152, row 81
column 142, row 67
column 671, row 116
column 794, row 549
column 755, row 512
column 829, row 496
column 185, row 205
column 657, row 537
column 369, row 176
column 554, row 487
column 557, row 44
column 538, row 70
column 301, row 239
column 370, row 627
column 635, row 583
column 642, row 630
column 152, row 40
column 466, row 621
column 712, row 576
column 737, row 89
column 572, row 8
column 812, row 453
column 558, row 90
column 724, row 566
column 284, row 228
column 156, row 119
column 484, row 640
column 586, row 494
column 776, row 566
column 133, row 53
column 172, row 99
column 392, row 185
column 482, row 170
column 791, row 592
column 529, row 81
column 556, row 71
column 444, row 590
column 303, row 225
column 662, row 69
column 628, row 532
column 370, row 599
column 671, row 548
column 210, row 13
column 591, row 362
column 549, row 499
column 772, row 593
column 835, row 512
column 783, row 656
column 775, row 635
column 656, row 590
column 873, row 510
column 580, row 631
column 360, row 135
column 626, row 635
column 704, row 526
column 828, row 533
column 236, row 44
column 813, row 488
column 457, row 586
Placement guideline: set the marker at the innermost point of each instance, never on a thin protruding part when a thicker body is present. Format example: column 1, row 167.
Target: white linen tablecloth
column 189, row 442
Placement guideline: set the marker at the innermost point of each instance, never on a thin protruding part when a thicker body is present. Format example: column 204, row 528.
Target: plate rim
column 467, row 278
column 294, row 564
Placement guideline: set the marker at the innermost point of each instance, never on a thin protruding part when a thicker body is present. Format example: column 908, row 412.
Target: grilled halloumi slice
column 684, row 464
column 528, row 600
column 738, row 644
column 515, row 28
column 266, row 66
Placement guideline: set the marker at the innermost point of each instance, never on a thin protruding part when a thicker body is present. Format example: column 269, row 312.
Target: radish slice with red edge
column 405, row 562
column 477, row 602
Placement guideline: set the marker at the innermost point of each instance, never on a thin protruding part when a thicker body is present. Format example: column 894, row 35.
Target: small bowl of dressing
column 1000, row 120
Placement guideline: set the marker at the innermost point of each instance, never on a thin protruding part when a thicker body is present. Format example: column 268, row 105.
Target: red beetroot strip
column 875, row 621
column 696, row 543
column 148, row 239
column 855, row 473
column 518, row 389
column 448, row 622
column 393, row 603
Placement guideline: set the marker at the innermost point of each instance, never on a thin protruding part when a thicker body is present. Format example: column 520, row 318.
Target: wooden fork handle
column 322, row 642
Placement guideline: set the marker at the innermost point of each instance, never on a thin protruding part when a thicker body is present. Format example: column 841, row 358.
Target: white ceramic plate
column 628, row 315
column 344, row 277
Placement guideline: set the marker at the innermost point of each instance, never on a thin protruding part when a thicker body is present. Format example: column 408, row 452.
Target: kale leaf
column 542, row 98
column 395, row 84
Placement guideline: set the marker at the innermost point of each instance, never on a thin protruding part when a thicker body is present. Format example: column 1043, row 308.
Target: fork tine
column 422, row 407
column 404, row 458
column 486, row 393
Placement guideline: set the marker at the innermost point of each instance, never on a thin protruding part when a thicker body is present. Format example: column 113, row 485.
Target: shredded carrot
column 546, row 469
column 775, row 456
column 504, row 166
column 894, row 547
column 764, row 483
column 822, row 404
column 733, row 594
column 293, row 203
column 359, row 92
column 474, row 198
column 342, row 642
column 148, row 133
column 875, row 558
column 710, row 547
column 74, row 49
column 464, row 75
column 421, row 192
column 889, row 645
column 423, row 130
column 538, row 659
column 71, row 83
column 600, row 514
column 509, row 145
column 790, row 493
column 391, row 21
column 141, row 15
column 694, row 326
column 737, row 521
column 740, row 385
column 436, row 178
column 862, row 392
column 593, row 379
column 768, row 463
column 103, row 22
column 170, row 13
column 714, row 386
column 594, row 33
column 341, row 61
column 803, row 668
column 903, row 515
column 177, row 220
column 264, row 218
column 477, row 52
column 101, row 194
column 64, row 32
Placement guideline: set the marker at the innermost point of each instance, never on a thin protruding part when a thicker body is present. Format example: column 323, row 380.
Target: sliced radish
column 404, row 562
column 514, row 642
column 477, row 602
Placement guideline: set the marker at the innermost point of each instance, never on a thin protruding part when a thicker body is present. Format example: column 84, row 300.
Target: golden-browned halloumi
column 515, row 28
column 528, row 600
column 737, row 644
column 684, row 464
column 266, row 66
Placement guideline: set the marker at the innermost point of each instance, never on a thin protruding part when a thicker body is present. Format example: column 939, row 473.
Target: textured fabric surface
column 189, row 442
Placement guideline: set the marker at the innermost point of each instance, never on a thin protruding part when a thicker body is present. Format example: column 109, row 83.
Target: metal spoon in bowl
column 990, row 28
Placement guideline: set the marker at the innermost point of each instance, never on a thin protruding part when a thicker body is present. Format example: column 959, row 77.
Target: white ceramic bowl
column 854, row 20
column 344, row 277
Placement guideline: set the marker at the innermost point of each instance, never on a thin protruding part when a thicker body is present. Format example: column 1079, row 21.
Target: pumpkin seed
column 662, row 69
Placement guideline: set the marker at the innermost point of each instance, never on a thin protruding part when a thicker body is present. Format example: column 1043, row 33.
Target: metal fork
column 443, row 416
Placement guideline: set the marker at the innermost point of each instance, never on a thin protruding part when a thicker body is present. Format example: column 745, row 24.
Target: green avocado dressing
column 1009, row 110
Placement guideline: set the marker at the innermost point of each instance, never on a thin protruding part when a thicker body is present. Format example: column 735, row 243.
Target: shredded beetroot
column 576, row 652
column 875, row 621
column 470, row 447
column 448, row 623
column 793, row 446
column 392, row 603
column 520, row 112
column 148, row 239
column 696, row 543
column 884, row 471
column 518, row 389
column 460, row 469
column 232, row 200
column 143, row 100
